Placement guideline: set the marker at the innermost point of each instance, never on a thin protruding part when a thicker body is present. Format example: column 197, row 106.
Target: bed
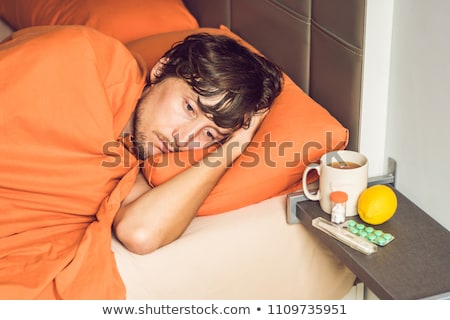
column 246, row 249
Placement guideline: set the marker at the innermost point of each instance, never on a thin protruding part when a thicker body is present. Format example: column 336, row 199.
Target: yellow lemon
column 377, row 204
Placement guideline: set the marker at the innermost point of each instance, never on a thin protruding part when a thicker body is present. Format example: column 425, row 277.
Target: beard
column 140, row 149
column 139, row 142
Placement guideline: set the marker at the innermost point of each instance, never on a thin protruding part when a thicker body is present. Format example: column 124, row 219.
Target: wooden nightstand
column 416, row 265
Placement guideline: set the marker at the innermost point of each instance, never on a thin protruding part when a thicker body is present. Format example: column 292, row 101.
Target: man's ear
column 157, row 68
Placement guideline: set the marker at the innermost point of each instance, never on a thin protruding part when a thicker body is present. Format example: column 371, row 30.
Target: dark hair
column 216, row 65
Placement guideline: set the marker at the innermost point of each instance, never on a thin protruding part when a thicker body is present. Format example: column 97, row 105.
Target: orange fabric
column 67, row 92
column 296, row 132
column 125, row 20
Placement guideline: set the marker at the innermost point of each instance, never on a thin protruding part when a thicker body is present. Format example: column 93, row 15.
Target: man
column 69, row 91
column 207, row 89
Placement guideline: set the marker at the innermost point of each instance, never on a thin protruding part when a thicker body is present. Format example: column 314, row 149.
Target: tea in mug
column 344, row 165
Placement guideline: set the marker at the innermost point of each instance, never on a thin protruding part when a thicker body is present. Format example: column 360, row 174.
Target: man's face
column 168, row 119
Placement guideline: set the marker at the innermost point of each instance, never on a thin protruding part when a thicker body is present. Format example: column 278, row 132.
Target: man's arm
column 153, row 217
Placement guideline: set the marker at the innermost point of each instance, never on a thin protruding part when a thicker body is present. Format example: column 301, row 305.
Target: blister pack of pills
column 370, row 233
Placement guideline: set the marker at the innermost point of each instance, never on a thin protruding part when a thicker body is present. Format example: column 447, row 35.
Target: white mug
column 343, row 170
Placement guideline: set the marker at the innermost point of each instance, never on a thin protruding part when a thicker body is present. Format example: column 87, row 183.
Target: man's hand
column 243, row 136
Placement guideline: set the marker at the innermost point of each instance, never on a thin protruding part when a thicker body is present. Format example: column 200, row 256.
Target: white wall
column 417, row 109
column 377, row 54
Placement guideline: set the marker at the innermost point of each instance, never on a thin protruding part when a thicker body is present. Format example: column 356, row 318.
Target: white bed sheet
column 248, row 253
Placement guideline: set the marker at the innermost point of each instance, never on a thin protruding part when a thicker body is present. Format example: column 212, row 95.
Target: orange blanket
column 66, row 94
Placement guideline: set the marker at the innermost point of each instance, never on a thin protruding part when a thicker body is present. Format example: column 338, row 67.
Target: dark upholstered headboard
column 318, row 43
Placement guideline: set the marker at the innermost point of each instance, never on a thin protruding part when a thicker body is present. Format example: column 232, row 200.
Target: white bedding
column 248, row 253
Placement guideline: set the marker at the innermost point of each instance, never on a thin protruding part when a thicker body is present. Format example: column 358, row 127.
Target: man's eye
column 189, row 107
column 210, row 135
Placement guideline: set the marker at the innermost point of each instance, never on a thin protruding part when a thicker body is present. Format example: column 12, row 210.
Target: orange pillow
column 296, row 132
column 125, row 20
